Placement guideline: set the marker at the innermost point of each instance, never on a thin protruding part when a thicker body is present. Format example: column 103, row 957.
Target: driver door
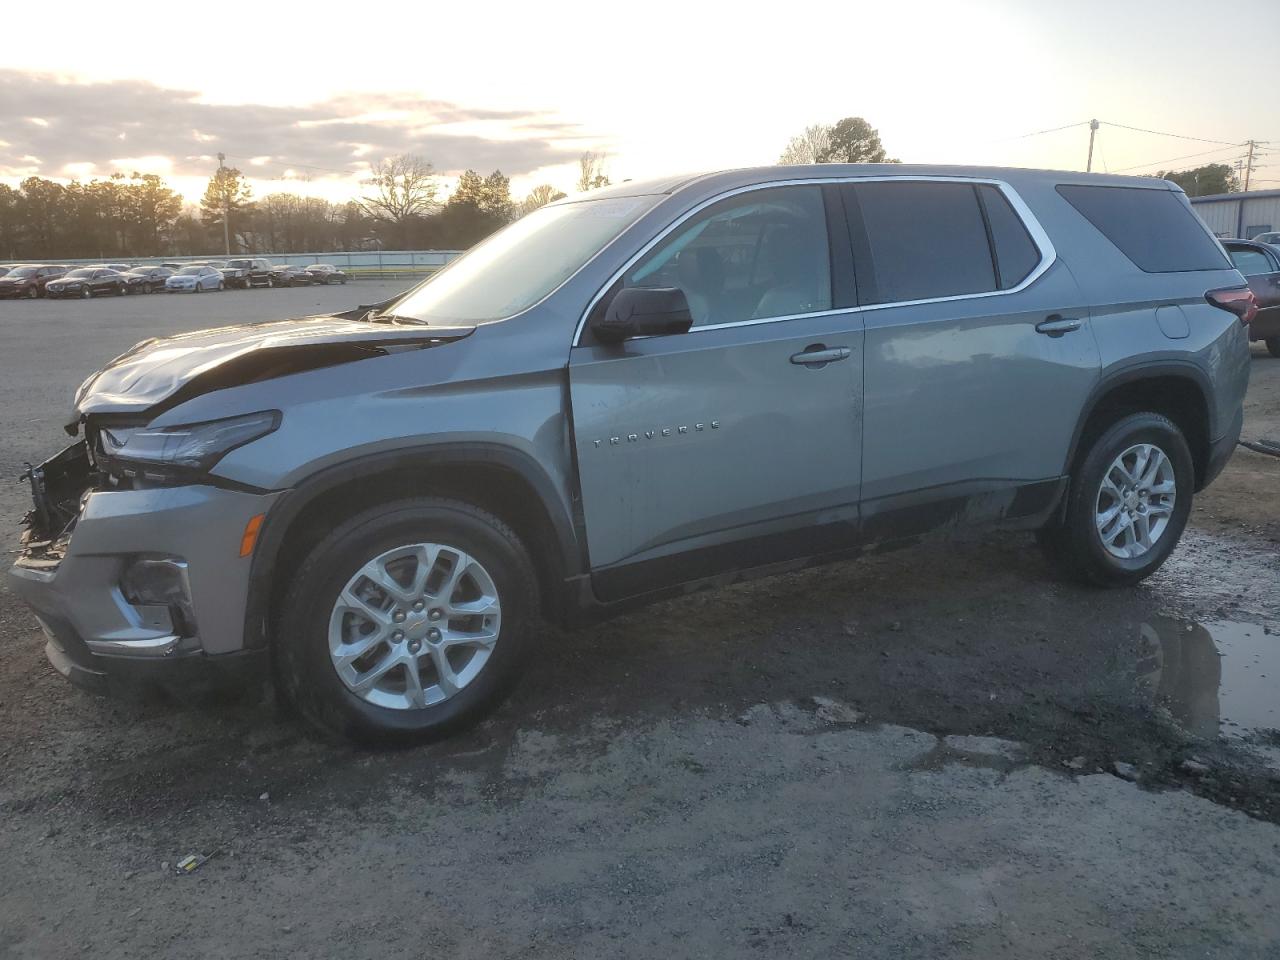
column 724, row 447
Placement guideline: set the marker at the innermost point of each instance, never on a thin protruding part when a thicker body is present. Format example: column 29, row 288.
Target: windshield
column 22, row 272
column 141, row 270
column 82, row 272
column 191, row 271
column 238, row 264
column 518, row 266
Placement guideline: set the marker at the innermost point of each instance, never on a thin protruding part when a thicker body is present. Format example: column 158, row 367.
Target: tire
column 33, row 293
column 1075, row 544
column 121, row 290
column 1273, row 346
column 86, row 294
column 306, row 672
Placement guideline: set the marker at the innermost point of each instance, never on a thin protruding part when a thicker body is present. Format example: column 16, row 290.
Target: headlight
column 192, row 446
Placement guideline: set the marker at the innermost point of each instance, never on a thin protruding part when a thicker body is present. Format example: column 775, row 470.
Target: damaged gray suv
column 628, row 394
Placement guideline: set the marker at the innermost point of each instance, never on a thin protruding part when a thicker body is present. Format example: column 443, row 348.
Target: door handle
column 818, row 355
column 1055, row 325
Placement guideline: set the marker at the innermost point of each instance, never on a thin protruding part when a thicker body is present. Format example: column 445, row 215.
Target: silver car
column 194, row 279
column 630, row 394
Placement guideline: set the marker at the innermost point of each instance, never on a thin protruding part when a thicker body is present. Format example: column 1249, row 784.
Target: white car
column 194, row 279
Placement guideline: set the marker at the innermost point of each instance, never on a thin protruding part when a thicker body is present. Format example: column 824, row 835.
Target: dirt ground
column 936, row 752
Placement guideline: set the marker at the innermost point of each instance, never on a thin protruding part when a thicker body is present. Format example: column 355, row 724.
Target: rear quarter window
column 1152, row 227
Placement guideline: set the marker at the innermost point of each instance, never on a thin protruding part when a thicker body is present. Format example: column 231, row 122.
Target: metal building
column 1240, row 214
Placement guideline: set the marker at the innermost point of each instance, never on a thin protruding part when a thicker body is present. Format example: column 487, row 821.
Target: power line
column 1037, row 133
column 278, row 162
column 1176, row 136
column 1188, row 156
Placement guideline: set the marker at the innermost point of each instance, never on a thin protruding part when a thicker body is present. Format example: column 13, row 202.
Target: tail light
column 1238, row 300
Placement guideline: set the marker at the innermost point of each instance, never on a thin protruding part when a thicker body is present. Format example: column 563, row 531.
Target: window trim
column 1048, row 255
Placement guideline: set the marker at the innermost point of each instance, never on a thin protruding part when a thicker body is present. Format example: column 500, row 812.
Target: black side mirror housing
column 643, row 312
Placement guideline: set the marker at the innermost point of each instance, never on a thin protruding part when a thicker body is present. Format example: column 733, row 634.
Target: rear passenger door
column 978, row 354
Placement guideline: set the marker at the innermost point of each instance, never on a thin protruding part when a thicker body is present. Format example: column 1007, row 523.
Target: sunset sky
column 302, row 97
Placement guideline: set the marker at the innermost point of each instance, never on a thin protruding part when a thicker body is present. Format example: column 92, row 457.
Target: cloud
column 79, row 126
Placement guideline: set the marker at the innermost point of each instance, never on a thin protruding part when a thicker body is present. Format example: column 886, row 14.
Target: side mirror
column 643, row 312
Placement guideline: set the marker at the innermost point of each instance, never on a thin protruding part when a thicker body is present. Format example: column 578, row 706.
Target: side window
column 1251, row 263
column 757, row 255
column 922, row 240
column 1152, row 227
column 1016, row 254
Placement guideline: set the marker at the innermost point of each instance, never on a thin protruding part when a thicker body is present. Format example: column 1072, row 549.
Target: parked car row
column 32, row 281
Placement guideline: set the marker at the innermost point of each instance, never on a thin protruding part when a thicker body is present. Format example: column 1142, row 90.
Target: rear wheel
column 407, row 622
column 121, row 290
column 1127, row 504
column 33, row 292
column 1273, row 346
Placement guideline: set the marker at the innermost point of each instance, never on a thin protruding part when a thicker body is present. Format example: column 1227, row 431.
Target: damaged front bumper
column 136, row 584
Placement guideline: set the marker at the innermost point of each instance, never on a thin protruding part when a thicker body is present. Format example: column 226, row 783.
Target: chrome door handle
column 1055, row 325
column 818, row 355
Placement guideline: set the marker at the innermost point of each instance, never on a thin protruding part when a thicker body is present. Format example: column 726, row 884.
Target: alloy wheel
column 1135, row 501
column 414, row 626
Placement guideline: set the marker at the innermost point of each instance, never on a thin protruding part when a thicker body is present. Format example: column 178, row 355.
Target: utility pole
column 1248, row 165
column 226, row 225
column 1093, row 131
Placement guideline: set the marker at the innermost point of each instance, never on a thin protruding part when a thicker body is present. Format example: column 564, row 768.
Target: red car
column 1260, row 264
column 28, row 280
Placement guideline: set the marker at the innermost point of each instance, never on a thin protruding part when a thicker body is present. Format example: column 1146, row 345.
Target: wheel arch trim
column 568, row 547
column 1134, row 373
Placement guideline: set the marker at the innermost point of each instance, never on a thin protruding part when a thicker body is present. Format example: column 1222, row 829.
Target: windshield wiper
column 378, row 317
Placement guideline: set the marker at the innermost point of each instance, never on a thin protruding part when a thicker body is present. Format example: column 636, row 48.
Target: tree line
column 401, row 206
column 139, row 215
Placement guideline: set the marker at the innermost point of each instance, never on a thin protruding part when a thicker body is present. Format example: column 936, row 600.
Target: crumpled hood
column 179, row 367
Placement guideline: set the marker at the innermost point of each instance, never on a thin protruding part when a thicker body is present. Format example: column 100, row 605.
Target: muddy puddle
column 1218, row 679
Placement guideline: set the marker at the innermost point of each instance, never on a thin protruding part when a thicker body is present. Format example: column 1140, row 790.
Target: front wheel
column 86, row 294
column 1273, row 346
column 409, row 621
column 1127, row 504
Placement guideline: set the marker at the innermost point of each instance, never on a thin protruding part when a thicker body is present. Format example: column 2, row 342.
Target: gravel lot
column 938, row 752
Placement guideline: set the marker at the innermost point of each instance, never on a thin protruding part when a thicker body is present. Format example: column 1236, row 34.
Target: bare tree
column 540, row 196
column 809, row 147
column 591, row 172
column 400, row 188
